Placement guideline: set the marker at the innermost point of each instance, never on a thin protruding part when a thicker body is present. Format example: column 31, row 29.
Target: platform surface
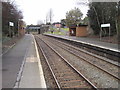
column 22, row 54
column 91, row 41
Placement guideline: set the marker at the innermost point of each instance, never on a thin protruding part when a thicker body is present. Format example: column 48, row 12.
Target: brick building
column 21, row 27
column 80, row 30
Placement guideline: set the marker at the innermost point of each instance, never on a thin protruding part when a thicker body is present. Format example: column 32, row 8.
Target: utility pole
column 50, row 15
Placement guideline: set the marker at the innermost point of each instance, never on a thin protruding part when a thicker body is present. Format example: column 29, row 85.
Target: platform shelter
column 80, row 30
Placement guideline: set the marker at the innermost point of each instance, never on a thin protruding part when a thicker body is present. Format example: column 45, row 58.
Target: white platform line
column 42, row 79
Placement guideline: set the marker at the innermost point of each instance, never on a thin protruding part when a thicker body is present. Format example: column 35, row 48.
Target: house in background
column 57, row 24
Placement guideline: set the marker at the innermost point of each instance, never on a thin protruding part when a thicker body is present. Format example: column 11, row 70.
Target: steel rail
column 98, row 57
column 95, row 87
column 117, row 77
column 49, row 66
column 78, row 49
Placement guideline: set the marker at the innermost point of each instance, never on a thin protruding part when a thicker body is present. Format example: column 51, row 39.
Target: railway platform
column 21, row 66
column 90, row 41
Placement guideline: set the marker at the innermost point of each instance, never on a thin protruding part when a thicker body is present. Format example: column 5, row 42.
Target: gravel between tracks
column 48, row 75
column 99, row 62
column 101, row 79
column 62, row 70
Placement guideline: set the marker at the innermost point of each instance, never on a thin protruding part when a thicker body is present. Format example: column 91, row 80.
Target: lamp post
column 11, row 24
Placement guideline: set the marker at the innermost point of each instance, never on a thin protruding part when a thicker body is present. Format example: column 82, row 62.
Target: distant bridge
column 39, row 28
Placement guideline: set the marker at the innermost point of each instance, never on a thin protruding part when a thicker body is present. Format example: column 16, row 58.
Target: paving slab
column 12, row 60
column 23, row 54
column 31, row 77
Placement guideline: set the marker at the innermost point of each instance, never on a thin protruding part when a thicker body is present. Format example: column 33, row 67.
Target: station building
column 79, row 31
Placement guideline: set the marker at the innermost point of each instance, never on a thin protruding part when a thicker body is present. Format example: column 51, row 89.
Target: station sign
column 11, row 23
column 105, row 25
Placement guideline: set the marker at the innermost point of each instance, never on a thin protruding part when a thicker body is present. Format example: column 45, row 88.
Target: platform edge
column 42, row 79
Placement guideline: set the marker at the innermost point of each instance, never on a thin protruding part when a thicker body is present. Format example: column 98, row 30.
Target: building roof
column 56, row 23
column 33, row 26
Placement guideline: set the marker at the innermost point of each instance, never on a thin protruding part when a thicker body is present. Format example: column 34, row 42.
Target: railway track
column 105, row 66
column 101, row 51
column 65, row 74
column 112, row 68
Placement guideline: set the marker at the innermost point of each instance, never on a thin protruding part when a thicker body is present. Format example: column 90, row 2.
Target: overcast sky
column 34, row 10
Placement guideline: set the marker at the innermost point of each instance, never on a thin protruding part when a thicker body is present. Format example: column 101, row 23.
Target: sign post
column 102, row 26
column 10, row 24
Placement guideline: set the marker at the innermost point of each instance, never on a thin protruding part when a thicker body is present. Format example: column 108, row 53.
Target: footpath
column 21, row 66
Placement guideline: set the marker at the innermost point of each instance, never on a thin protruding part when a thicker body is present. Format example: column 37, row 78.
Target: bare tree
column 46, row 19
column 50, row 15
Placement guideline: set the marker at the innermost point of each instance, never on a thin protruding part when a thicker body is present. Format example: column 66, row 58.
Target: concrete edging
column 42, row 79
column 95, row 45
column 8, row 49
